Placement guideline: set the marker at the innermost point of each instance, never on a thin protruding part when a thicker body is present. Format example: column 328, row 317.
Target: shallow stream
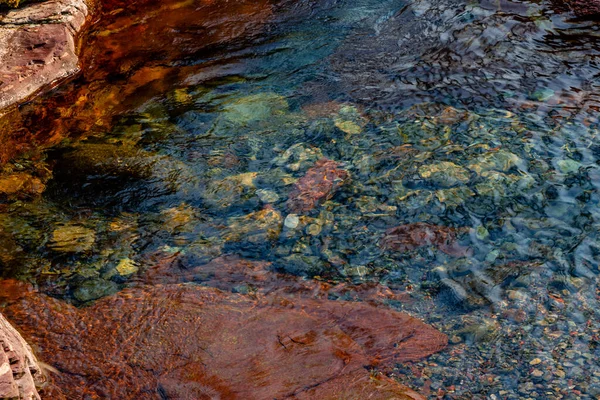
column 464, row 148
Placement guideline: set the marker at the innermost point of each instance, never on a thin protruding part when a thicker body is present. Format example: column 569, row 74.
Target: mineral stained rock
column 20, row 372
column 318, row 185
column 37, row 47
column 584, row 8
column 182, row 340
column 413, row 236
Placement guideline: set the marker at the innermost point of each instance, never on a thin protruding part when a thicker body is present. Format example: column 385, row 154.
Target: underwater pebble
column 267, row 196
column 127, row 267
column 291, row 221
column 568, row 166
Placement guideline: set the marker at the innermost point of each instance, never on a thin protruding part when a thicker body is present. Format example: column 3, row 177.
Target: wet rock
column 500, row 160
column 444, row 174
column 409, row 237
column 37, row 47
column 254, row 108
column 89, row 159
column 302, row 265
column 568, row 166
column 126, row 267
column 455, row 196
column 178, row 219
column 234, row 346
column 298, row 157
column 20, row 373
column 349, row 120
column 257, row 227
column 94, row 289
column 267, row 196
column 584, row 8
column 222, row 193
column 72, row 239
column 318, row 185
column 20, row 185
column 254, row 112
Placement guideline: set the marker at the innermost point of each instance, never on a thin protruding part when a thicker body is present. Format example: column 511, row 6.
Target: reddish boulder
column 318, row 185
column 413, row 236
column 188, row 341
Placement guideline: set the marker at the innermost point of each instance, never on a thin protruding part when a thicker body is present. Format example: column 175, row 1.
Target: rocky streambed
column 304, row 199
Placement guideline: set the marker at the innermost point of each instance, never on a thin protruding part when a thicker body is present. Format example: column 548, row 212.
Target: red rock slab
column 359, row 386
column 413, row 236
column 188, row 341
column 37, row 47
column 318, row 185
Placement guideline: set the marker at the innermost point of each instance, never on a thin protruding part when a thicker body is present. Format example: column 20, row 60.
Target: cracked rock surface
column 20, row 373
column 37, row 47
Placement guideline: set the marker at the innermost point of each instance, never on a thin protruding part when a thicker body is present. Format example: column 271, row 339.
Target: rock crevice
column 20, row 373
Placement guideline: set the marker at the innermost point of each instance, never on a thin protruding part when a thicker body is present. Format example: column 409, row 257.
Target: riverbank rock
column 189, row 341
column 20, row 372
column 318, row 185
column 37, row 47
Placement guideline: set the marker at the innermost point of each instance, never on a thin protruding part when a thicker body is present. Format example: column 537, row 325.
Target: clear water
column 475, row 116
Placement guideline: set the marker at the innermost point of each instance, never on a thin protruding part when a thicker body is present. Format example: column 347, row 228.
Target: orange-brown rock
column 413, row 236
column 190, row 341
column 318, row 185
column 132, row 54
column 20, row 185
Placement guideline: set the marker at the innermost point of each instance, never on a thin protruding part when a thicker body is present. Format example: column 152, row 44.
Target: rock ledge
column 37, row 47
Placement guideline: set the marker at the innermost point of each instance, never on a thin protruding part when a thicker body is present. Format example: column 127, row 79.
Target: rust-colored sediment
column 190, row 341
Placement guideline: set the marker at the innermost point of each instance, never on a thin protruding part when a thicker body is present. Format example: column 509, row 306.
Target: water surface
column 471, row 126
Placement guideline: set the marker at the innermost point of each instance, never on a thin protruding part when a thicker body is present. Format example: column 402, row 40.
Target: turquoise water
column 476, row 119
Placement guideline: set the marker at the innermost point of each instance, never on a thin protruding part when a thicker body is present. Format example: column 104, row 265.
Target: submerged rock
column 257, row 227
column 234, row 346
column 584, row 8
column 72, row 239
column 20, row 185
column 413, row 236
column 318, row 185
column 444, row 174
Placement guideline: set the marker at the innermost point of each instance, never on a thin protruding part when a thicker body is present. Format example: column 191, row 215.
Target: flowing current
column 463, row 150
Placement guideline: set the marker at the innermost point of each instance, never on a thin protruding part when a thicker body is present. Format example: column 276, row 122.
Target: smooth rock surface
column 189, row 341
column 37, row 47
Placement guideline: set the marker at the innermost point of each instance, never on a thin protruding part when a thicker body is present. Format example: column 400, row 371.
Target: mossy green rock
column 94, row 289
column 254, row 108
